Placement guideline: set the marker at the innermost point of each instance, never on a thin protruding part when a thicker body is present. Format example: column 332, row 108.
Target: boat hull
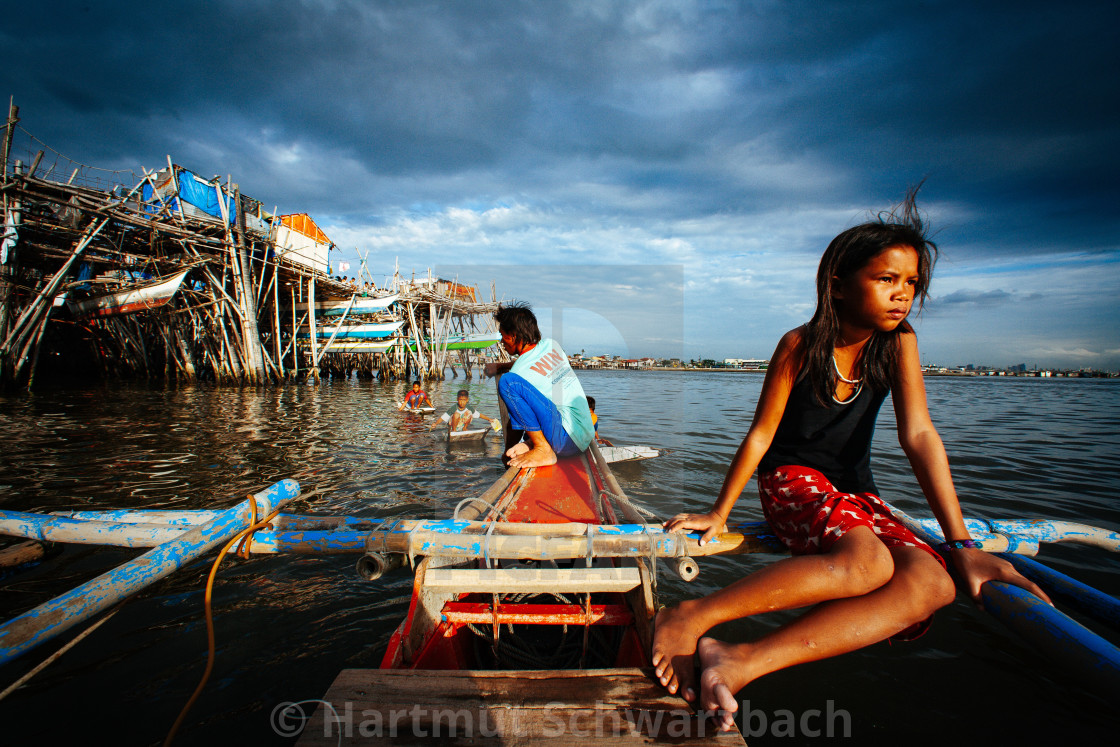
column 353, row 331
column 131, row 300
column 556, row 613
column 361, row 305
column 462, row 342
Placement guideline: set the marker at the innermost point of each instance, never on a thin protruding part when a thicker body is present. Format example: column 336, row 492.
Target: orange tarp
column 302, row 223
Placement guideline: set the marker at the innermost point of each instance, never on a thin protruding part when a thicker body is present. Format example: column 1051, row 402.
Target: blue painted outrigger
column 179, row 536
column 22, row 633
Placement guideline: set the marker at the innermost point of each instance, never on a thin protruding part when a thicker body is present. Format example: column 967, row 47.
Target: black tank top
column 834, row 439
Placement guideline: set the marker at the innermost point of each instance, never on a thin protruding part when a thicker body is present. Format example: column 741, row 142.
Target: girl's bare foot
column 724, row 674
column 674, row 645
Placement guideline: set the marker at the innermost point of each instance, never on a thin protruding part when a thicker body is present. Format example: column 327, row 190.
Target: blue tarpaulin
column 192, row 190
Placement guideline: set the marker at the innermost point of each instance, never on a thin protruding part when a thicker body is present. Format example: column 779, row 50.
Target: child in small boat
column 416, row 398
column 459, row 418
column 865, row 576
column 595, row 421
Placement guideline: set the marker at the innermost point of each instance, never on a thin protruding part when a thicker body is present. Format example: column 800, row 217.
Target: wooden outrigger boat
column 358, row 306
column 469, row 341
column 139, row 297
column 353, row 332
column 538, row 630
column 532, row 607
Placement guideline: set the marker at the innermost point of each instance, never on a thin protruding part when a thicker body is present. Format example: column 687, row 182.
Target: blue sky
column 667, row 173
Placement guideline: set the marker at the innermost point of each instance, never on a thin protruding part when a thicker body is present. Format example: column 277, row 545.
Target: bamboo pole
column 251, row 338
column 295, row 330
column 276, row 313
column 311, row 327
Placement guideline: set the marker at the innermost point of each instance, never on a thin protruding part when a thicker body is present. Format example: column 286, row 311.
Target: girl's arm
column 926, row 452
column 780, row 375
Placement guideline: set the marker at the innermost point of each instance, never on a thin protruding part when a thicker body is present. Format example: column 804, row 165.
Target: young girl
column 869, row 577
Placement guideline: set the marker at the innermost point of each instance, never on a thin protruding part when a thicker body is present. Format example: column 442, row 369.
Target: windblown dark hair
column 846, row 254
column 518, row 319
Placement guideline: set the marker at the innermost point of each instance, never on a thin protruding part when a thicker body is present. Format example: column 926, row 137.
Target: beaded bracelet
column 959, row 545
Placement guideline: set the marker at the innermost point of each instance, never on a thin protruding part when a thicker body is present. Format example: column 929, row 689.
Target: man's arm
column 497, row 367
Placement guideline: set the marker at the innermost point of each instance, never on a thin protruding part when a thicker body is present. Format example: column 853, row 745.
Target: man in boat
column 417, row 398
column 542, row 395
column 459, row 418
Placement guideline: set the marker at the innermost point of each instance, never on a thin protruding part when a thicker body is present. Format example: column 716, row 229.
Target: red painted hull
column 600, row 630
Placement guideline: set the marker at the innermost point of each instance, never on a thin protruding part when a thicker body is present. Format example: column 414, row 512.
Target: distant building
column 747, row 363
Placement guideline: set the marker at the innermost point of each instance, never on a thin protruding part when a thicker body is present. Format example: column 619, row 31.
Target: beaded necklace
column 857, row 383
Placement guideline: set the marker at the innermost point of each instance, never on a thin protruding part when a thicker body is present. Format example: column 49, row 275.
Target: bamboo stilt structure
column 79, row 266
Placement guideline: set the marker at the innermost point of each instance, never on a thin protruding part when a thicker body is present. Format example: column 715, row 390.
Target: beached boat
column 361, row 305
column 347, row 345
column 353, row 331
column 472, row 341
column 128, row 300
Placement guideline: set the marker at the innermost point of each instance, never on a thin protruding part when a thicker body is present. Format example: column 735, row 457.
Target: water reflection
column 287, row 625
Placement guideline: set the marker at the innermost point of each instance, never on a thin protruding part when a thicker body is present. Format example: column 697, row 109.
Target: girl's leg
column 918, row 588
column 857, row 563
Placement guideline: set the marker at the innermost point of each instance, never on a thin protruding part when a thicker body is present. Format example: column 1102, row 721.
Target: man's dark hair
column 517, row 319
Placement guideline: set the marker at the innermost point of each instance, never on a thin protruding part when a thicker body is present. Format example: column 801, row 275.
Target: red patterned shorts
column 808, row 514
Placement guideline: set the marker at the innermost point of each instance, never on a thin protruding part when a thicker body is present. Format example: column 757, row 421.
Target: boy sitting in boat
column 460, row 417
column 416, row 399
column 595, row 422
column 545, row 401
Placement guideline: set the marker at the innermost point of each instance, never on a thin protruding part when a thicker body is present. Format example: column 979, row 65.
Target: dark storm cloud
column 652, row 130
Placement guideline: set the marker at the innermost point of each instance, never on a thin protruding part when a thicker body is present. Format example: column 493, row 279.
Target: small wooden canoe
column 614, row 454
column 471, row 434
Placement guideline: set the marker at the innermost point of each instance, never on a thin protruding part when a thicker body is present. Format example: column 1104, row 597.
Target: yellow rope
column 210, row 654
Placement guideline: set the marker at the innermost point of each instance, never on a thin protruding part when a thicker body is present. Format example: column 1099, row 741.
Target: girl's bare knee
column 942, row 590
column 931, row 588
column 864, row 569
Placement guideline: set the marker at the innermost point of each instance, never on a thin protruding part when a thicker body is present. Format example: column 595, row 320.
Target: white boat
column 362, row 305
column 130, row 300
column 354, row 332
column 627, row 453
column 472, row 434
column 344, row 345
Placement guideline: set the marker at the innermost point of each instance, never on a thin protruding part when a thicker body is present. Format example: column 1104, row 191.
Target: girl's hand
column 710, row 524
column 978, row 567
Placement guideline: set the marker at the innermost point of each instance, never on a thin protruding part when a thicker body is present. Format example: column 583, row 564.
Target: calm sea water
column 286, row 625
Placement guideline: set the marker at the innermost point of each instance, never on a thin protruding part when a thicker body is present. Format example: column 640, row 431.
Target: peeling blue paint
column 28, row 630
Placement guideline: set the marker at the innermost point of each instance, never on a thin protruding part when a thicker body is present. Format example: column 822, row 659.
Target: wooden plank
column 498, row 580
column 522, row 707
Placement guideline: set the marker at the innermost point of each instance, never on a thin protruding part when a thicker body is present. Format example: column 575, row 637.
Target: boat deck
column 589, row 707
